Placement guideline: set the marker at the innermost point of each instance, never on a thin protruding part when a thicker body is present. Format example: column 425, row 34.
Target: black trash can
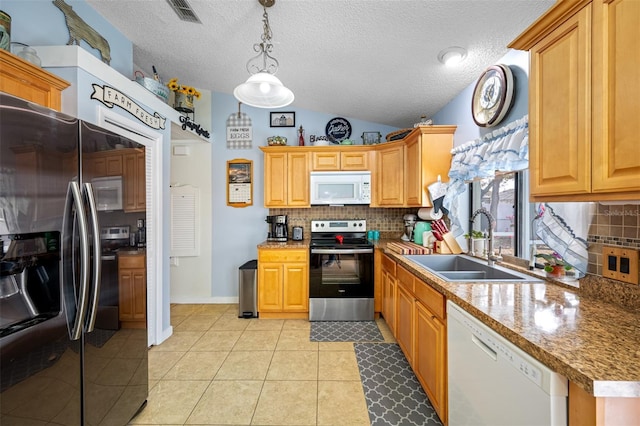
column 247, row 284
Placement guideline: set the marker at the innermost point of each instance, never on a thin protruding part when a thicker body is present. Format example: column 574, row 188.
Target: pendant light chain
column 268, row 63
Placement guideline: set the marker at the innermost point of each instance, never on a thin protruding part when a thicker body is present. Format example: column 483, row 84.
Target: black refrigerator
column 59, row 363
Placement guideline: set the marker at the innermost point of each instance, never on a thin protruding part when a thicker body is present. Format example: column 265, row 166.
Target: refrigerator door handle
column 76, row 330
column 97, row 262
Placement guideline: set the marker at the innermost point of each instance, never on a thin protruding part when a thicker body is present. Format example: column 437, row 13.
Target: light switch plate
column 628, row 270
column 620, row 263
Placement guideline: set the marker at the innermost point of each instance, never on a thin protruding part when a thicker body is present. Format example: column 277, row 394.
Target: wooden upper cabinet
column 560, row 109
column 350, row 158
column 134, row 181
column 286, row 178
column 616, row 47
column 427, row 155
column 275, row 179
column 28, row 81
column 298, row 180
column 583, row 92
column 102, row 164
column 389, row 176
column 328, row 160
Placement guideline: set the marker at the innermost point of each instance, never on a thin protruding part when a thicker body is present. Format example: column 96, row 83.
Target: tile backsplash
column 388, row 221
column 612, row 225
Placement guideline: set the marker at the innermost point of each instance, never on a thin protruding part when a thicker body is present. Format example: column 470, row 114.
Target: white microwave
column 340, row 188
column 108, row 192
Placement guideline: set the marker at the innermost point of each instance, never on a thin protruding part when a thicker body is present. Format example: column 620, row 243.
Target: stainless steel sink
column 461, row 268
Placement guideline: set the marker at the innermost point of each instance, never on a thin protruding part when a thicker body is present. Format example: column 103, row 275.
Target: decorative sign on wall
column 79, row 31
column 110, row 97
column 239, row 131
column 192, row 125
column 338, row 129
column 239, row 182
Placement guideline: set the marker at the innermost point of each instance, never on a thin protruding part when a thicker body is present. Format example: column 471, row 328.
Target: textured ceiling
column 374, row 60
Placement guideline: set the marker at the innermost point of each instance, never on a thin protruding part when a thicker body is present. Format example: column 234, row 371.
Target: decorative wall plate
column 338, row 129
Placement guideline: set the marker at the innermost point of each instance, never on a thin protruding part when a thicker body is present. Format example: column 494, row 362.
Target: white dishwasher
column 492, row 382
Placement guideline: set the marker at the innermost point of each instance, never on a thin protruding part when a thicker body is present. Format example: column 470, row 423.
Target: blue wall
column 458, row 111
column 40, row 23
column 238, row 231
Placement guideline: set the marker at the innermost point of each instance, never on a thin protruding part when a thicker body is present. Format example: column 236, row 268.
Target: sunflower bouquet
column 185, row 90
column 184, row 95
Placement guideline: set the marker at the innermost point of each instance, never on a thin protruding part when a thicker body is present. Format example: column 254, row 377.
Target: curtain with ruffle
column 504, row 149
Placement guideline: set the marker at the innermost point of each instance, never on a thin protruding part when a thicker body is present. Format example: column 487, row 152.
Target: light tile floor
column 218, row 369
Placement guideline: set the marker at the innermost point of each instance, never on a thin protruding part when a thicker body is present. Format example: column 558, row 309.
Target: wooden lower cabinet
column 132, row 288
column 430, row 359
column 389, row 292
column 415, row 312
column 587, row 410
column 405, row 321
column 283, row 283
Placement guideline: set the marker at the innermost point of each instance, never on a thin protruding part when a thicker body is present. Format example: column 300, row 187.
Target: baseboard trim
column 203, row 300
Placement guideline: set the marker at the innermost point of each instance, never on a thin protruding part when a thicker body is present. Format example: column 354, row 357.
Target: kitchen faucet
column 491, row 258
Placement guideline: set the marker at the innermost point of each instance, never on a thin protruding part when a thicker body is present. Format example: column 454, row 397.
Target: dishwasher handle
column 485, row 347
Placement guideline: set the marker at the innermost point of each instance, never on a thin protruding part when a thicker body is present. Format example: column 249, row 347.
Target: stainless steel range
column 340, row 271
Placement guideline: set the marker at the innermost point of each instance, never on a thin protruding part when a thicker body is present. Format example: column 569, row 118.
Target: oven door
column 341, row 273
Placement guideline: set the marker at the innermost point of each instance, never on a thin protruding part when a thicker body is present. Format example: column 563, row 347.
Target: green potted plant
column 554, row 265
column 476, row 241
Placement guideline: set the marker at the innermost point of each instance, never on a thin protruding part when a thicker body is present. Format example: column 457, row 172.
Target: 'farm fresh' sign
column 110, row 97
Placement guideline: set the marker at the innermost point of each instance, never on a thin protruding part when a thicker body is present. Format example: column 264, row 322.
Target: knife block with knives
column 446, row 243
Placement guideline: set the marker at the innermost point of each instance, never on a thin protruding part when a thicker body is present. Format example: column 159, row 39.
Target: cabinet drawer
column 280, row 255
column 405, row 278
column 430, row 298
column 389, row 264
column 131, row 261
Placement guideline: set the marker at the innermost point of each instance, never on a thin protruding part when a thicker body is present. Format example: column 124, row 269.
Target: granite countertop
column 304, row 244
column 592, row 343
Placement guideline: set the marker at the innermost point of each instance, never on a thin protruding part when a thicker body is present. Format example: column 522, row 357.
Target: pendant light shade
column 263, row 90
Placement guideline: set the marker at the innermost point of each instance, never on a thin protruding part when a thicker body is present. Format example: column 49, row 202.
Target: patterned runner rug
column 345, row 331
column 394, row 395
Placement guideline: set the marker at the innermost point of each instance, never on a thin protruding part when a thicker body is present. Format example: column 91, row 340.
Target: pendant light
column 263, row 89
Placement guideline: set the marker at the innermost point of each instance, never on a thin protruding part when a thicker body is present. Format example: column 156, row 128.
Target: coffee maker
column 277, row 228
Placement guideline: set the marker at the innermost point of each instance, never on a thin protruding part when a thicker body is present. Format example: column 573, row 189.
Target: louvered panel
column 185, row 221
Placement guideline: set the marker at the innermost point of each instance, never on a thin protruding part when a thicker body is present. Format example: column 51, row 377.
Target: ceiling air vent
column 184, row 11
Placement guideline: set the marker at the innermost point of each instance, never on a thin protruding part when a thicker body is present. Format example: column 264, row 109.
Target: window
column 506, row 196
column 498, row 196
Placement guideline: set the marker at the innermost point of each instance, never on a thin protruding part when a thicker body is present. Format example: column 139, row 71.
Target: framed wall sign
column 282, row 119
column 239, row 182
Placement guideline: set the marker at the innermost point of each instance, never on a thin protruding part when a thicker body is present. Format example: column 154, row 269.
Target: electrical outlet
column 620, row 263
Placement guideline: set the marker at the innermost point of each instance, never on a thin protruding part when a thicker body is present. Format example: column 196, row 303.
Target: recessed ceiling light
column 452, row 55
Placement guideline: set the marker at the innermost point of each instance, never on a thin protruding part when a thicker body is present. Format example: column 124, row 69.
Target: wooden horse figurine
column 80, row 30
